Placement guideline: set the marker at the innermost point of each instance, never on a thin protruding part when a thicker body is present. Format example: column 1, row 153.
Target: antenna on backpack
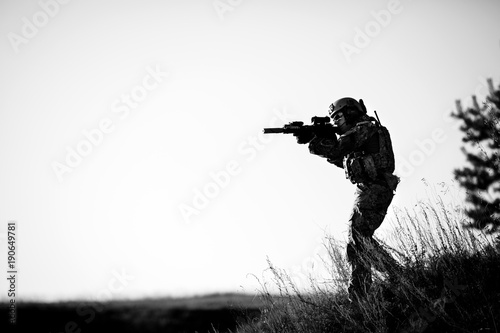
column 376, row 115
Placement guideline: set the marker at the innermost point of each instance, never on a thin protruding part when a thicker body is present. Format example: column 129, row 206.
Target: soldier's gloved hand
column 304, row 137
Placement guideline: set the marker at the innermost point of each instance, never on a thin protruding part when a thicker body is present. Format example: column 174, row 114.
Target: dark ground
column 188, row 315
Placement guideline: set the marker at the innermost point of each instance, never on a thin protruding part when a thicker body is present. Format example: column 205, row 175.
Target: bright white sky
column 229, row 74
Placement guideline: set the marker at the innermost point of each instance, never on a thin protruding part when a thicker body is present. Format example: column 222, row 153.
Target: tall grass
column 449, row 282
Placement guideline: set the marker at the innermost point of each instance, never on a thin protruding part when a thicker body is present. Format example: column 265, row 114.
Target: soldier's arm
column 356, row 137
column 335, row 150
column 327, row 148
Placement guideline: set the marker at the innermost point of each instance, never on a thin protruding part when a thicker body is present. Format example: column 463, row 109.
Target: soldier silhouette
column 364, row 150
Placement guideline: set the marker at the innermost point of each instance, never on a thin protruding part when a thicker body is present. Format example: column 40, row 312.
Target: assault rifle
column 320, row 127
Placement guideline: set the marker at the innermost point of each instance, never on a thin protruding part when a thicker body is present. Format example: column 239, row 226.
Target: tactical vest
column 374, row 160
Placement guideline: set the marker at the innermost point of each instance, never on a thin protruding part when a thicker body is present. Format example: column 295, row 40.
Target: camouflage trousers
column 363, row 252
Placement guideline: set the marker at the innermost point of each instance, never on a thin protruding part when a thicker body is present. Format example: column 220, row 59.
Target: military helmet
column 351, row 108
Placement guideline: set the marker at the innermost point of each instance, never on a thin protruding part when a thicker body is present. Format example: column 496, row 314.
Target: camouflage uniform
column 365, row 153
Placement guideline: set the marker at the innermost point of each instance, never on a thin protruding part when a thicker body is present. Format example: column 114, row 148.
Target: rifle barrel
column 273, row 130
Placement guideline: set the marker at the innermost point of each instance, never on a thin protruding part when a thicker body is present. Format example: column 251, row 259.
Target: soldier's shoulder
column 362, row 127
column 365, row 124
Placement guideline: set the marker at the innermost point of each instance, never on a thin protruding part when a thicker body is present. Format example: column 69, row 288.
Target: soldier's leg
column 381, row 260
column 370, row 206
column 361, row 276
column 374, row 208
column 360, row 280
